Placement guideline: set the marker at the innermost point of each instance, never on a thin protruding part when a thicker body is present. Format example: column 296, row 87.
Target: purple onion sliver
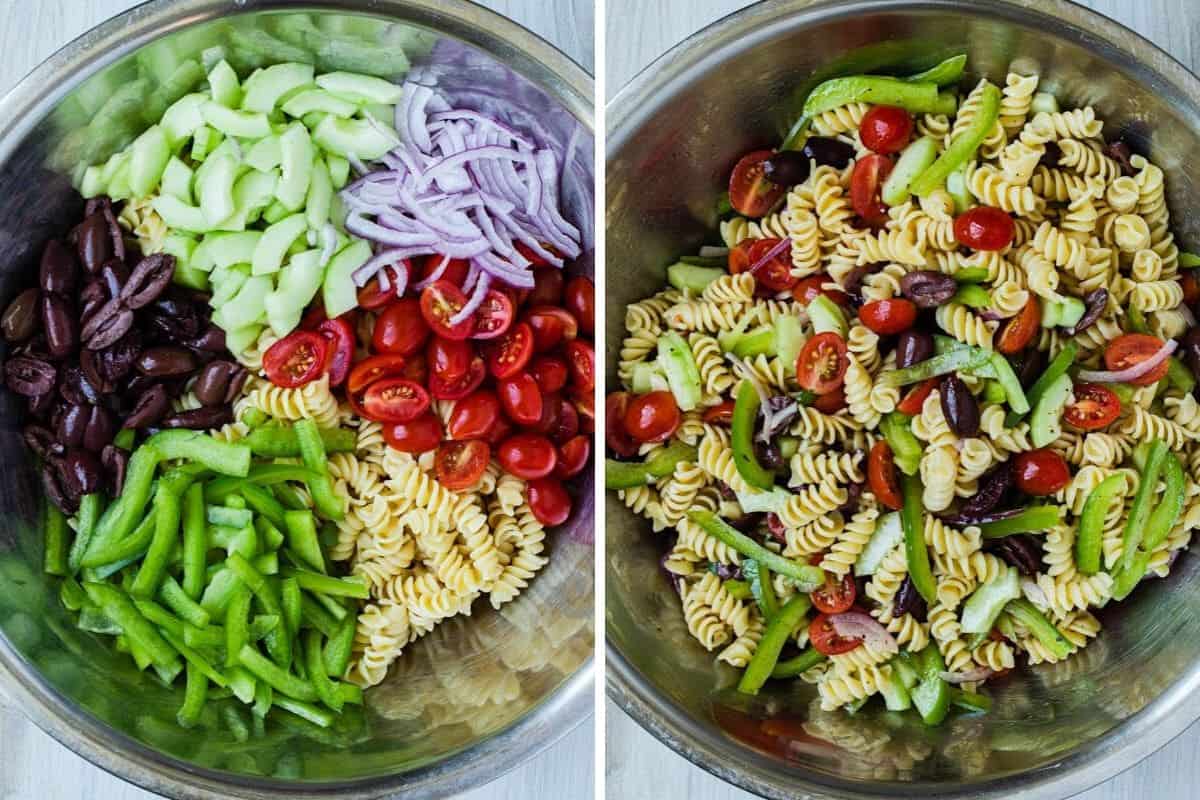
column 474, row 301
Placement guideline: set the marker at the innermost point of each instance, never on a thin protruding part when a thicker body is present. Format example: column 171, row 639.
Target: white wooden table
column 32, row 765
column 639, row 767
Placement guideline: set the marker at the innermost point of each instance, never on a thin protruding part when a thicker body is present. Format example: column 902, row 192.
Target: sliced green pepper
column 738, row 590
column 1058, row 366
column 972, row 295
column 932, row 695
column 741, row 438
column 1034, row 519
column 970, row 701
column 879, row 89
column 1091, row 524
column 1139, row 511
column 971, row 275
column 912, row 518
column 1158, row 527
column 963, row 359
column 1136, row 320
column 766, row 655
column 761, row 588
column 1008, row 379
column 906, row 448
column 944, row 74
column 1024, row 612
column 1179, row 376
column 798, row 664
column 963, row 146
column 807, row 576
column 629, row 474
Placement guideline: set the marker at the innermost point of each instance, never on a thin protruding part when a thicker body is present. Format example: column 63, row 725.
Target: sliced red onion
column 744, row 371
column 384, row 258
column 783, row 244
column 475, row 300
column 1130, row 373
column 450, row 163
column 708, row 251
column 857, row 625
column 969, row 676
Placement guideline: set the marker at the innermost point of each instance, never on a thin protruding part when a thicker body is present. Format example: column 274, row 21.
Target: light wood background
column 32, row 765
column 639, row 767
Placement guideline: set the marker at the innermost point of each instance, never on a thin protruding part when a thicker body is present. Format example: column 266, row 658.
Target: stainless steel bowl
column 470, row 701
column 674, row 133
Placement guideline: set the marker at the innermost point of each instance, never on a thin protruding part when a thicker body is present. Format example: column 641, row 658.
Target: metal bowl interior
column 674, row 133
column 467, row 702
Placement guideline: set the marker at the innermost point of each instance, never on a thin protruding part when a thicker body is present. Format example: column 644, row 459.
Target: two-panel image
column 690, row 399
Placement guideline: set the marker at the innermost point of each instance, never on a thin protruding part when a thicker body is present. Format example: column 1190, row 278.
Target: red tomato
column 510, row 354
column 821, row 365
column 494, row 315
column 572, row 456
column 340, row 336
column 549, row 501
column 915, row 399
column 373, row 298
column 520, row 398
column 1020, row 330
column 1095, row 407
column 418, row 436
column 739, row 256
column 984, row 228
column 580, row 299
column 528, row 456
column 776, row 274
column 395, row 400
column 615, row 435
column 440, row 301
column 400, row 328
column 652, row 417
column 372, row 369
column 474, row 416
column 1041, row 472
column 750, row 193
column 720, row 414
column 808, row 288
column 449, row 359
column 547, row 287
column 460, row 387
column 1191, row 287
column 314, row 316
column 585, row 404
column 416, row 369
column 502, row 430
column 551, row 415
column 831, row 402
column 869, row 174
column 550, row 325
column 550, row 372
column 835, row 596
column 460, row 465
column 582, row 360
column 1125, row 351
column 455, row 272
column 881, row 475
column 534, row 259
column 826, row 639
column 885, row 129
column 296, row 359
column 568, row 422
column 888, row 317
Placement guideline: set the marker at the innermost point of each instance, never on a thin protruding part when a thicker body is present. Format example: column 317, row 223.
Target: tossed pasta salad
column 928, row 406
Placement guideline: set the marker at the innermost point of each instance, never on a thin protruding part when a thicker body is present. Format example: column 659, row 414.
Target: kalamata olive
column 768, row 455
column 21, row 317
column 1029, row 366
column 95, row 204
column 1019, row 551
column 115, row 461
column 108, row 325
column 41, row 441
column 148, row 280
column 91, row 299
column 74, row 386
column 116, row 361
column 1051, row 156
column 912, row 347
column 787, row 168
column 29, row 376
column 200, row 418
column 101, row 427
column 928, row 289
column 55, row 493
column 211, row 340
column 853, row 281
column 72, row 425
column 149, row 408
column 114, row 275
column 747, row 522
column 776, row 528
column 93, row 243
column 60, row 325
column 58, row 271
column 116, row 237
column 959, row 406
column 727, row 572
column 40, row 405
column 1191, row 351
column 165, row 361
column 212, row 383
column 853, row 495
column 1120, row 152
column 90, row 365
column 81, row 472
column 725, row 491
column 991, row 489
column 907, row 600
column 827, row 151
column 1094, row 305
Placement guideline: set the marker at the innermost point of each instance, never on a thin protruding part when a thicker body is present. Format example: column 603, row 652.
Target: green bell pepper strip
column 223, row 457
column 1025, row 613
column 761, row 588
column 278, row 679
column 355, row 586
column 262, row 501
column 1034, row 519
column 302, row 539
column 55, row 558
column 1057, row 367
column 917, row 97
column 176, row 599
column 291, row 600
column 970, row 701
column 165, row 620
column 1179, row 376
column 796, row 665
column 339, row 647
column 972, row 295
column 312, row 452
column 741, row 438
column 971, row 275
column 1139, row 510
column 280, row 442
column 315, row 664
column 1158, row 527
column 630, row 474
column 1136, row 320
column 932, row 695
column 993, row 392
column 256, row 581
column 237, row 624
column 738, row 590
column 808, row 576
column 1091, row 524
column 1188, row 260
column 906, row 448
column 167, row 509
column 912, row 518
column 307, row 711
column 943, row 74
column 983, row 607
column 1017, row 401
column 72, row 595
column 962, row 148
column 195, row 542
column 121, row 517
column 194, row 657
column 314, row 616
column 119, row 608
column 963, row 359
column 90, row 508
column 766, row 655
column 195, row 695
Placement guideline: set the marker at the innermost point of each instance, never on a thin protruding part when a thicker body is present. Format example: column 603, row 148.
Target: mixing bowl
column 477, row 696
column 674, row 134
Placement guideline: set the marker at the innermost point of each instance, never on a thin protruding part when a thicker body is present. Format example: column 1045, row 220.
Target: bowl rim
column 1133, row 739
column 21, row 109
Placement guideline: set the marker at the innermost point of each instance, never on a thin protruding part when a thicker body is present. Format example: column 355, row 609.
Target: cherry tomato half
column 549, row 501
column 548, row 422
column 581, row 359
column 511, row 352
column 585, row 405
column 914, row 401
column 831, row 402
column 580, row 299
column 528, row 456
column 520, row 398
column 808, row 288
column 395, row 400
column 881, row 475
column 739, row 257
column 775, row 274
column 372, row 369
column 474, row 416
column 460, row 387
column 865, row 183
column 550, row 325
column 835, row 596
column 340, row 336
column 719, row 414
column 440, row 301
column 885, row 129
column 888, row 317
column 984, row 228
column 1095, row 407
column 1125, row 351
column 572, row 456
column 652, row 417
column 534, row 259
column 826, row 639
column 449, row 359
column 750, row 193
column 296, row 359
column 568, row 422
column 418, row 436
column 1040, row 472
column 400, row 328
column 373, row 298
column 455, row 272
column 494, row 315
column 550, row 372
column 547, row 287
column 615, row 435
column 460, row 465
column 821, row 365
column 1020, row 330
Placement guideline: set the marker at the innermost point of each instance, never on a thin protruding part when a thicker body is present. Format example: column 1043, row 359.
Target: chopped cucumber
column 1045, row 422
column 359, row 88
column 239, row 340
column 274, row 244
column 182, row 118
column 318, row 100
column 265, row 155
column 222, row 250
column 353, row 137
column 340, row 293
column 915, row 159
column 285, row 306
column 756, row 501
column 150, row 153
column 246, row 307
column 177, row 180
column 677, row 362
column 178, row 214
column 648, row 377
column 692, row 278
column 984, row 606
column 320, row 195
column 204, row 139
column 296, row 151
column 264, row 88
column 223, row 85
column 888, row 534
column 760, row 341
column 789, row 340
column 339, row 170
column 895, row 693
column 214, row 189
column 956, row 185
column 253, row 192
column 826, row 316
column 972, row 295
column 242, row 124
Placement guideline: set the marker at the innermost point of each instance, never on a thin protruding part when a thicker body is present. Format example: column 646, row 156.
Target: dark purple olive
column 90, row 365
column 211, row 340
column 768, row 455
column 212, row 386
column 40, row 405
column 165, row 361
column 41, row 442
column 116, row 237
column 787, row 168
column 21, row 317
column 1029, row 365
column 115, row 461
column 908, row 601
column 959, row 406
column 149, row 408
column 827, row 151
column 114, row 274
column 74, row 386
column 727, row 572
column 95, row 204
column 725, row 491
column 148, row 280
column 58, row 271
column 992, row 487
column 1019, row 551
column 747, row 522
column 91, row 299
column 29, row 376
column 72, row 425
column 55, row 493
column 1094, row 305
column 60, row 325
column 1191, row 351
column 199, row 418
column 928, row 289
column 1120, row 152
column 93, row 243
column 107, row 325
column 117, row 360
column 81, row 472
column 853, row 282
column 912, row 347
column 101, row 427
column 853, row 495
column 776, row 528
column 1051, row 156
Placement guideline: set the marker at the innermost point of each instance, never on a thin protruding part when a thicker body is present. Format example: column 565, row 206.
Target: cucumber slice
column 826, row 316
column 264, row 88
column 246, row 307
column 984, row 606
column 178, row 214
column 150, row 153
column 93, row 182
column 239, row 340
column 789, row 341
column 915, row 159
column 359, row 88
column 253, row 192
column 1043, row 101
column 1070, row 312
column 220, row 251
column 687, row 276
column 756, row 501
column 214, row 189
column 296, row 161
column 648, row 377
column 677, row 362
column 760, row 341
column 972, row 295
column 242, row 124
column 956, row 185
column 265, row 155
column 340, row 293
column 226, row 283
column 181, row 246
column 310, row 100
column 320, row 195
column 1045, row 425
column 204, row 140
column 274, row 244
column 275, row 212
column 177, row 180
column 888, row 534
column 118, row 185
column 301, row 280
column 223, row 85
column 353, row 137
column 1050, row 312
column 182, row 118
column 339, row 170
